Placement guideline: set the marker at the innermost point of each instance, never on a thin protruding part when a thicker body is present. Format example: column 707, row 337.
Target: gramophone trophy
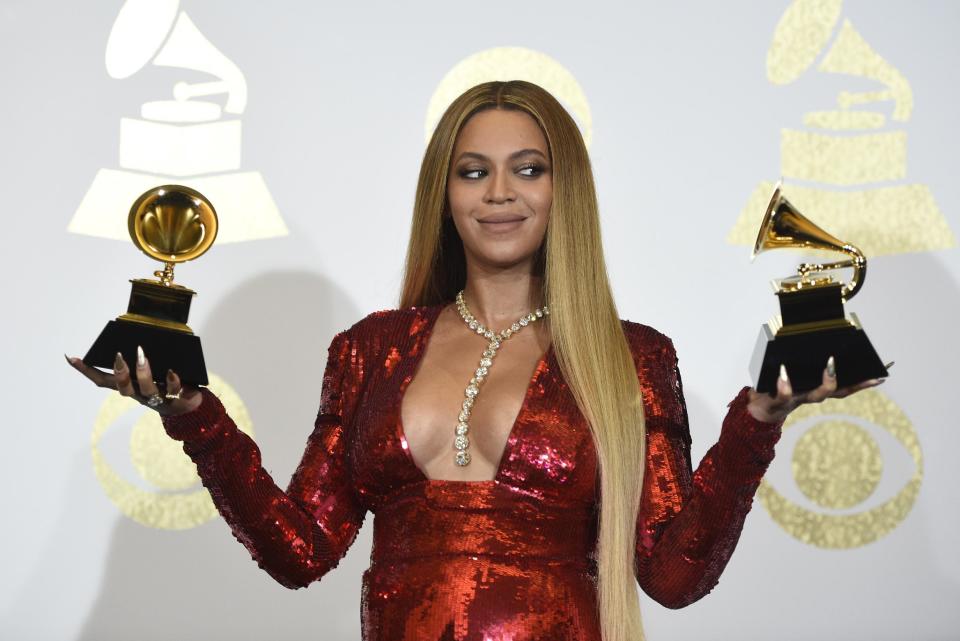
column 812, row 325
column 172, row 224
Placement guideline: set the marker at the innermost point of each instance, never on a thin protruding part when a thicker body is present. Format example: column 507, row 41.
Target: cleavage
column 436, row 393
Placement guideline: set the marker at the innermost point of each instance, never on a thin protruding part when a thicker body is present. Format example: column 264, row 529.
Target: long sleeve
column 690, row 522
column 299, row 535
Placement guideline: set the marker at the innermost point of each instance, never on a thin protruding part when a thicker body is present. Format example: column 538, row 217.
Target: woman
column 485, row 419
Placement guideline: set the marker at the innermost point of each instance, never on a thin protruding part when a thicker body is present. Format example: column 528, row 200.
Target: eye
column 472, row 174
column 534, row 170
column 165, row 492
column 849, row 458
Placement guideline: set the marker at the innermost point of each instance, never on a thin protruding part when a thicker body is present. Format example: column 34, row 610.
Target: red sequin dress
column 512, row 558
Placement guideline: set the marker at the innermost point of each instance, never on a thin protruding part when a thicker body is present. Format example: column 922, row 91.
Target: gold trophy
column 812, row 324
column 172, row 224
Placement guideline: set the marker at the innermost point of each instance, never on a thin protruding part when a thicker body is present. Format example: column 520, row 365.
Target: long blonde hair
column 588, row 339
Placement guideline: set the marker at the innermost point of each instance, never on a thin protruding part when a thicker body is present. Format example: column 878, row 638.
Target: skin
column 500, row 166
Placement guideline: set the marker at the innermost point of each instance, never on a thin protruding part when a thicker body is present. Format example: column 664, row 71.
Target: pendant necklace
column 461, row 442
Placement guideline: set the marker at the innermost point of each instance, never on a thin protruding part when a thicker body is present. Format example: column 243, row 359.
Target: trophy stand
column 172, row 224
column 812, row 325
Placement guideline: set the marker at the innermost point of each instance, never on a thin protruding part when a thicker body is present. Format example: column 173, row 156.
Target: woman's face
column 500, row 188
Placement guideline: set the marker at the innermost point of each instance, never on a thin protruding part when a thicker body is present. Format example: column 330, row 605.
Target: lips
column 501, row 224
column 502, row 218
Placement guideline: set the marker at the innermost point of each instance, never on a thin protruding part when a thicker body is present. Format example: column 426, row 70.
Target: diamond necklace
column 461, row 442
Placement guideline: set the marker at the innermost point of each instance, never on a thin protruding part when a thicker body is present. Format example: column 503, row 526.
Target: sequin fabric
column 511, row 558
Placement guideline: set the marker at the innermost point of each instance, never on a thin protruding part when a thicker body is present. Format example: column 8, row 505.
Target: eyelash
column 464, row 173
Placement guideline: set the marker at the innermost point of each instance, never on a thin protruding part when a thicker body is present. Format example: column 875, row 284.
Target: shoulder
column 356, row 351
column 387, row 327
column 645, row 342
column 392, row 319
column 656, row 361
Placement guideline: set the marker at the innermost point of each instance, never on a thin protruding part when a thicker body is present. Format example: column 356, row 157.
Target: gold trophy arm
column 165, row 276
column 783, row 226
column 857, row 261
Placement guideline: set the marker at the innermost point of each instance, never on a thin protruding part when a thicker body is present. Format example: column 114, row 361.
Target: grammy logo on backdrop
column 192, row 137
column 812, row 324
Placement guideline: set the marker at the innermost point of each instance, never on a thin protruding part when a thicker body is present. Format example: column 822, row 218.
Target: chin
column 504, row 252
column 505, row 259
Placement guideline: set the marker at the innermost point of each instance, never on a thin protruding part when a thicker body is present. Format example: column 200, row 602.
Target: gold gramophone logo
column 847, row 151
column 851, row 166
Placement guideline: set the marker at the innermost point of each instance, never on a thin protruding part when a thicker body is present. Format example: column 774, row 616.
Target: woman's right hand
column 177, row 400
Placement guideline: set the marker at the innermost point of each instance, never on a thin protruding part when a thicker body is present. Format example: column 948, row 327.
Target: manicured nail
column 141, row 359
column 68, row 359
column 118, row 363
column 783, row 374
column 831, row 368
column 170, row 376
column 889, row 365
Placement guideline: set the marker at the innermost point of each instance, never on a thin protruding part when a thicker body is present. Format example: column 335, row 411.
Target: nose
column 498, row 188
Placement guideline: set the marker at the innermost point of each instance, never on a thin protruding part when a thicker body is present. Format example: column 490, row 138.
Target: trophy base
column 805, row 354
column 166, row 349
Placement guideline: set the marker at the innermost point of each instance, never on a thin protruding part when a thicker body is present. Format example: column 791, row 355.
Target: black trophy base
column 805, row 356
column 166, row 349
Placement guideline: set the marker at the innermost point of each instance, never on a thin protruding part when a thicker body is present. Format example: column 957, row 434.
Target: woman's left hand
column 769, row 409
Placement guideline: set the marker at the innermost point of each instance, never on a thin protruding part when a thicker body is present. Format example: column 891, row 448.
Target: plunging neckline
column 512, row 435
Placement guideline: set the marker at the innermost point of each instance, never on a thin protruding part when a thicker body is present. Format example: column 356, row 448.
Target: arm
column 690, row 522
column 299, row 535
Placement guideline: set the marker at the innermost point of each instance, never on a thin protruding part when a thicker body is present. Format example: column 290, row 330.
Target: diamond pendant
column 461, row 442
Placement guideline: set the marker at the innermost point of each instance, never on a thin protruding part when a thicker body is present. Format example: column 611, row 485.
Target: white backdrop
column 686, row 121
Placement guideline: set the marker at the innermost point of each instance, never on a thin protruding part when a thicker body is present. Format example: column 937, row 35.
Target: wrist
column 758, row 408
column 184, row 405
column 199, row 423
column 747, row 441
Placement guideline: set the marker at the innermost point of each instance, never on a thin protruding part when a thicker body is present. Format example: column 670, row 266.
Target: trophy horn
column 784, row 226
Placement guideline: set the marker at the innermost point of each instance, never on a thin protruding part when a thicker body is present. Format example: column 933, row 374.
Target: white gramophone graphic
column 189, row 140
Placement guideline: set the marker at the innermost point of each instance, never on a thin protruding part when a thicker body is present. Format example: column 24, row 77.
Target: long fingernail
column 831, row 368
column 118, row 363
column 141, row 359
column 783, row 374
column 170, row 375
column 69, row 360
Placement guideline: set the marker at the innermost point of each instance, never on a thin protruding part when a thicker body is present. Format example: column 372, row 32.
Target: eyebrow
column 516, row 154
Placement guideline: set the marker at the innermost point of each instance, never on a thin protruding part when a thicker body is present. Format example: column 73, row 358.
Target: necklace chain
column 461, row 442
